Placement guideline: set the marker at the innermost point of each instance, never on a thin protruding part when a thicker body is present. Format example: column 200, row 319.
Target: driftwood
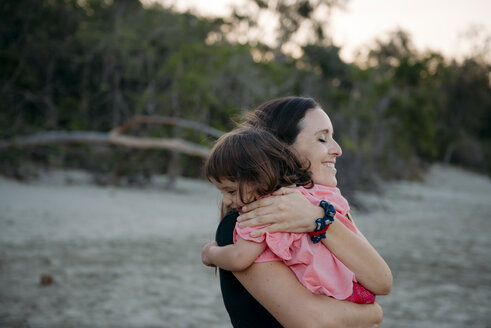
column 64, row 137
column 164, row 120
column 114, row 137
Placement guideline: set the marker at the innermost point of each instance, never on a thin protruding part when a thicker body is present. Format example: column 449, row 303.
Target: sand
column 130, row 257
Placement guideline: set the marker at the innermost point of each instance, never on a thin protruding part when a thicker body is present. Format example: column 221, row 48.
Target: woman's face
column 316, row 144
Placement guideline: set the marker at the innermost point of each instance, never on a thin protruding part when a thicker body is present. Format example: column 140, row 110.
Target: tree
column 299, row 23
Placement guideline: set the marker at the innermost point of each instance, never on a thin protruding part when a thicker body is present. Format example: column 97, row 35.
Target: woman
column 251, row 297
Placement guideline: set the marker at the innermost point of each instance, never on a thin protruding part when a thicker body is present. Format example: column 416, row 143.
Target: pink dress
column 313, row 264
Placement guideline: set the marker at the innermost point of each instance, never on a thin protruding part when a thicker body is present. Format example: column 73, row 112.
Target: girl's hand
column 205, row 254
column 287, row 210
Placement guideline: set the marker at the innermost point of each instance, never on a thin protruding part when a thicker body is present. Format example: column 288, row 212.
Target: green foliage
column 92, row 65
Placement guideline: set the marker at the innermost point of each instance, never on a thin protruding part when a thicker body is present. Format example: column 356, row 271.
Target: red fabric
column 361, row 295
column 320, row 232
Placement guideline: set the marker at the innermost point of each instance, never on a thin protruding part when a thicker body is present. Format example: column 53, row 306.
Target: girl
column 248, row 164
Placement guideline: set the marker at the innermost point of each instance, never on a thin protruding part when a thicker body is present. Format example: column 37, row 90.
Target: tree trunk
column 174, row 171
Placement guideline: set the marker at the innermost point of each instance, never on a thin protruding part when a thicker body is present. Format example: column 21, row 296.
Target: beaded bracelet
column 322, row 224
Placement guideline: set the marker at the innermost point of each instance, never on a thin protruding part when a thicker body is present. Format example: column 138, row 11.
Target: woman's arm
column 275, row 286
column 360, row 257
column 289, row 211
column 233, row 257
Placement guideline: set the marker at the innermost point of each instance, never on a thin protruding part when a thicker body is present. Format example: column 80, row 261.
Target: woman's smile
column 331, row 165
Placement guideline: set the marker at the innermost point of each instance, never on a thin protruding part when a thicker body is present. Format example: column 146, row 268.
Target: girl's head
column 302, row 124
column 248, row 163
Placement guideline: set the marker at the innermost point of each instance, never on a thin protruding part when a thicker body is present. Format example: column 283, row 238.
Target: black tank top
column 243, row 309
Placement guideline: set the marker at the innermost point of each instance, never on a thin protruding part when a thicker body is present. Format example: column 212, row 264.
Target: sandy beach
column 130, row 257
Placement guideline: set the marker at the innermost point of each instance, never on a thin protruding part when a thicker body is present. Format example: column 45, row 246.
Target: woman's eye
column 322, row 140
column 231, row 192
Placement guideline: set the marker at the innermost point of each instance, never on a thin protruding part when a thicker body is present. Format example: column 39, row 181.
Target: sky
column 439, row 25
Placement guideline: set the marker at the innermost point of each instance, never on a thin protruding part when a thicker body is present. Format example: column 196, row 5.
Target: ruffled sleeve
column 283, row 244
column 245, row 233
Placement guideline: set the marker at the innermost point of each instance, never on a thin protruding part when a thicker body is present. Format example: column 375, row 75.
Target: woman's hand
column 287, row 210
column 205, row 254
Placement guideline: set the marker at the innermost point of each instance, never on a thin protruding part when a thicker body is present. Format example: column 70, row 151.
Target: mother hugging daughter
column 278, row 172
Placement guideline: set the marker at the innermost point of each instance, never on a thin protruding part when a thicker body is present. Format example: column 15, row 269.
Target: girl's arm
column 289, row 211
column 275, row 286
column 233, row 257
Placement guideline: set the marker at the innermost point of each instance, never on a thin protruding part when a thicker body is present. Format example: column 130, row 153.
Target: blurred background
column 95, row 65
column 128, row 93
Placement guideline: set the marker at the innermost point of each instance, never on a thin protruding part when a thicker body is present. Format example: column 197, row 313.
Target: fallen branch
column 166, row 121
column 64, row 137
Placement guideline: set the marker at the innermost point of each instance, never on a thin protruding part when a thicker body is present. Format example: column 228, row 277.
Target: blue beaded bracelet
column 322, row 224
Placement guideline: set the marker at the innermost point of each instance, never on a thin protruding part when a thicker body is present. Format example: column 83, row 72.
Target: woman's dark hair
column 281, row 117
column 256, row 158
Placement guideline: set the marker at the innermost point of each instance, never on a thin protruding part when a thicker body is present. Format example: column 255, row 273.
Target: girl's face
column 231, row 196
column 315, row 143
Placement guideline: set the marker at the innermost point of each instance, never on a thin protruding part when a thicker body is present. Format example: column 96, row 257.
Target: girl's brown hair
column 256, row 158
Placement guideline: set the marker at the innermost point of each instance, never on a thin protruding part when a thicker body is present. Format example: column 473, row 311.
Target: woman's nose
column 335, row 149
